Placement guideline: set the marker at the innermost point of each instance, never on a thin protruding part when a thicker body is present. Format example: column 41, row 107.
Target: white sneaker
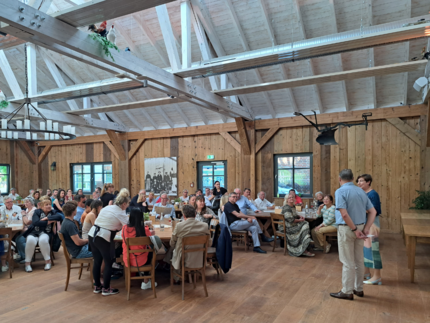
column 47, row 266
column 6, row 268
column 327, row 248
column 147, row 285
column 28, row 269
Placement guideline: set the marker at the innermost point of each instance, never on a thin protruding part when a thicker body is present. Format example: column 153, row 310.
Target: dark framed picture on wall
column 161, row 175
column 293, row 171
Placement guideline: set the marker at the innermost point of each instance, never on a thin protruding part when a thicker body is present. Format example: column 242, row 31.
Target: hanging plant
column 106, row 45
column 4, row 104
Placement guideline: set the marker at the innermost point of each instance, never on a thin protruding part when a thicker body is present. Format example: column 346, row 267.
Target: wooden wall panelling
column 368, row 153
column 424, row 154
column 258, row 165
column 325, row 169
column 360, row 150
column 377, row 155
column 44, row 175
column 343, row 147
column 316, row 171
column 334, row 165
column 351, row 149
column 231, row 155
column 13, row 162
column 267, row 169
column 395, row 180
column 89, row 152
column 123, row 172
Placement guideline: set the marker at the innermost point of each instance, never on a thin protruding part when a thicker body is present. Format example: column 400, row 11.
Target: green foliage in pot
column 106, row 45
column 422, row 202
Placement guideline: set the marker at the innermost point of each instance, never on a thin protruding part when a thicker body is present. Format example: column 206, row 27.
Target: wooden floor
column 259, row 288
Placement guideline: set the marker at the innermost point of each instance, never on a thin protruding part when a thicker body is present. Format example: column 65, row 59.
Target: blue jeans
column 20, row 246
column 84, row 253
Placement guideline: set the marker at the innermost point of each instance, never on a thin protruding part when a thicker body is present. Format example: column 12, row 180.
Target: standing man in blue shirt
column 243, row 203
column 351, row 206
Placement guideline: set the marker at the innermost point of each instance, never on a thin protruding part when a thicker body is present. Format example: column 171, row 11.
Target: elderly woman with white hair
column 319, row 196
column 184, row 197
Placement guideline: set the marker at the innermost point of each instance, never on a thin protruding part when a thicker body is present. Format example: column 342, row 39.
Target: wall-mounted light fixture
column 53, row 166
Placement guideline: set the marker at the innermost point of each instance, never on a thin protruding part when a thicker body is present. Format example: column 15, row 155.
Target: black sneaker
column 259, row 250
column 266, row 239
column 109, row 291
column 97, row 289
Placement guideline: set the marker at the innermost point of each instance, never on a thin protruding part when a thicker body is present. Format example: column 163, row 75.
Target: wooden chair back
column 63, row 244
column 6, row 235
column 279, row 220
column 77, row 225
column 212, row 227
column 195, row 241
column 139, row 241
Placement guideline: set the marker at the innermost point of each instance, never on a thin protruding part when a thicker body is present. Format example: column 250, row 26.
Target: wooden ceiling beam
column 9, row 41
column 112, row 148
column 116, row 144
column 135, row 147
column 243, row 135
column 267, row 136
column 327, row 78
column 44, row 153
column 27, row 151
column 232, row 141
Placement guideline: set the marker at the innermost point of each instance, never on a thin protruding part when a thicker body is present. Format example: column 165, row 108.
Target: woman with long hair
column 192, row 200
column 80, row 192
column 59, row 202
column 136, row 228
column 90, row 219
column 69, row 195
column 101, row 237
column 107, row 196
column 372, row 256
column 36, row 197
column 218, row 190
column 203, row 213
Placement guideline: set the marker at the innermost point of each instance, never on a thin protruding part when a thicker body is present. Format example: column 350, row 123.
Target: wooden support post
column 428, row 125
column 37, row 172
column 253, row 172
column 266, row 138
column 124, row 166
column 27, row 151
column 44, row 153
column 244, row 142
column 116, row 144
column 229, row 138
column 135, row 148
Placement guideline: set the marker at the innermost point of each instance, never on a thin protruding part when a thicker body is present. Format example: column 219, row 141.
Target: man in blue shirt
column 81, row 199
column 243, row 203
column 352, row 204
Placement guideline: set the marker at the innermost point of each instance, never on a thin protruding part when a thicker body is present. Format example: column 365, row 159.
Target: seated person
column 188, row 227
column 192, row 200
column 319, row 196
column 297, row 199
column 59, row 202
column 184, row 198
column 87, row 210
column 208, row 197
column 9, row 211
column 27, row 217
column 150, row 201
column 31, row 194
column 165, row 203
column 243, row 202
column 43, row 230
column 297, row 230
column 247, row 194
column 203, row 213
column 262, row 204
column 139, row 201
column 223, row 201
column 76, row 246
column 136, row 228
column 199, row 192
column 13, row 194
column 328, row 225
column 218, row 190
column 90, row 219
column 81, row 199
column 238, row 221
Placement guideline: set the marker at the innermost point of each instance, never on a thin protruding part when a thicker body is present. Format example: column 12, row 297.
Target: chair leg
column 153, row 282
column 171, row 277
column 183, row 283
column 285, row 246
column 10, row 262
column 90, row 266
column 274, row 243
column 80, row 271
column 195, row 280
column 246, row 241
column 52, row 258
column 68, row 277
column 128, row 283
column 204, row 281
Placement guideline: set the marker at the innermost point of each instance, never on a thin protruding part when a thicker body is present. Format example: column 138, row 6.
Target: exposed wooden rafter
column 233, row 142
column 267, row 136
column 27, row 151
column 44, row 153
column 116, row 144
column 406, row 129
column 243, row 135
column 134, row 149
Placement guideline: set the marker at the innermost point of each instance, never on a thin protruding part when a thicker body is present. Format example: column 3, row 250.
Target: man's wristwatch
column 354, row 229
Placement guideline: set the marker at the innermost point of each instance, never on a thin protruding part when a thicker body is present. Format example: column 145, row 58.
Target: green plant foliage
column 146, row 216
column 177, row 200
column 422, row 202
column 4, row 104
column 106, row 45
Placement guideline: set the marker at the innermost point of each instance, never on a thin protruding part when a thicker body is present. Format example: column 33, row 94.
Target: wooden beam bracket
column 230, row 139
column 44, row 153
column 406, row 129
column 27, row 151
column 135, row 147
column 269, row 134
column 116, row 144
column 244, row 141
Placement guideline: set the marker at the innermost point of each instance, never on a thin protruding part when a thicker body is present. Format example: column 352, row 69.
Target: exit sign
column 211, row 156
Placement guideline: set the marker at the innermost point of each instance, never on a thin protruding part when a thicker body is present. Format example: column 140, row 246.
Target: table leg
column 412, row 248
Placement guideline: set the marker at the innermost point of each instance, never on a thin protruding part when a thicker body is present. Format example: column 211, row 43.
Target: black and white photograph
column 161, row 175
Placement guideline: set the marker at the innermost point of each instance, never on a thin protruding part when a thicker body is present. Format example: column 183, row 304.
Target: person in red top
column 298, row 198
column 136, row 228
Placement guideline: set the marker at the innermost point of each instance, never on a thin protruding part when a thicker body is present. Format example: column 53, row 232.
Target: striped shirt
column 329, row 217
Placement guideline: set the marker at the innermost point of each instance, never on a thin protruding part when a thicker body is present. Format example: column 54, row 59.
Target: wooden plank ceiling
column 236, row 26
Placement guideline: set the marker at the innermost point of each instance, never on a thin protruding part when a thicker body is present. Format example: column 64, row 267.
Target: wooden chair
column 211, row 258
column 70, row 261
column 6, row 235
column 278, row 219
column 240, row 236
column 187, row 242
column 77, row 225
column 140, row 241
column 37, row 250
column 326, row 235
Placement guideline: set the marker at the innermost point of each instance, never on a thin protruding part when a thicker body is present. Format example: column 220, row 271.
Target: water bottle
column 306, row 210
column 161, row 222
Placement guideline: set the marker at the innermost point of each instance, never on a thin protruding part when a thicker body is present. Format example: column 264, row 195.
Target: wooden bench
column 326, row 235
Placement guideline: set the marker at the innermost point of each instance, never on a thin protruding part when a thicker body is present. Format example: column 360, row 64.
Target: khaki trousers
column 352, row 258
column 318, row 236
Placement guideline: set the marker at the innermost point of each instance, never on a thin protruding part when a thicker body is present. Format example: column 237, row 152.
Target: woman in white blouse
column 185, row 197
column 27, row 216
column 101, row 239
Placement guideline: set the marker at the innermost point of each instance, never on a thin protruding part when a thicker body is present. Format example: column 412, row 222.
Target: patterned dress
column 372, row 256
column 298, row 235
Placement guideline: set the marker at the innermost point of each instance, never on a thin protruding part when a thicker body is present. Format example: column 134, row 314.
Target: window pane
column 108, row 178
column 208, row 182
column 302, row 181
column 302, row 162
column 77, row 169
column 207, row 170
column 98, row 180
column 219, row 170
column 87, row 169
column 3, row 169
column 98, row 169
column 285, row 180
column 77, row 182
column 86, row 185
column 107, row 168
column 220, row 179
column 3, row 183
column 285, row 162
